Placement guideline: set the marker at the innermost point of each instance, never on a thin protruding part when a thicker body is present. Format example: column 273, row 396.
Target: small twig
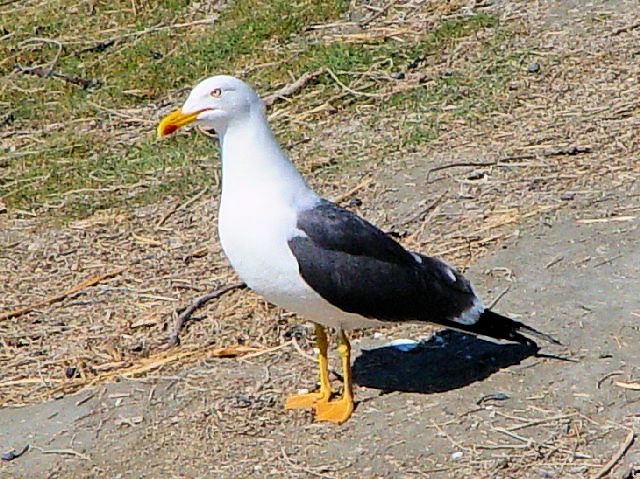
column 608, row 219
column 178, row 206
column 166, row 216
column 85, row 399
column 157, row 28
column 464, row 164
column 554, row 261
column 300, row 468
column 532, row 442
column 504, row 162
column 607, row 261
column 67, row 452
column 109, row 189
column 420, row 215
column 41, row 72
column 174, row 337
column 632, row 386
column 539, row 421
column 526, row 440
column 352, row 91
column 442, row 432
column 53, row 63
column 54, row 299
column 266, row 351
column 499, row 297
column 607, row 376
column 626, row 28
column 570, row 150
column 120, row 114
column 234, row 351
column 292, row 88
column 377, row 14
column 313, row 359
column 624, row 447
column 297, row 347
column 363, row 184
column 99, row 47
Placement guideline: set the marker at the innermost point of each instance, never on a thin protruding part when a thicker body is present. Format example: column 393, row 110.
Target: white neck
column 253, row 161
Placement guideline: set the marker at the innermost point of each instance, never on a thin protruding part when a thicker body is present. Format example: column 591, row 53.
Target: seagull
column 312, row 257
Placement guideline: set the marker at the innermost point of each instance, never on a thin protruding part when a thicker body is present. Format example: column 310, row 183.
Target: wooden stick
column 174, row 337
column 351, row 90
column 463, row 164
column 377, row 14
column 67, row 452
column 626, row 28
column 75, row 80
column 301, row 468
column 633, row 386
column 87, row 283
column 182, row 206
column 266, row 351
column 345, row 196
column 292, row 88
column 506, row 162
column 420, row 215
column 616, row 457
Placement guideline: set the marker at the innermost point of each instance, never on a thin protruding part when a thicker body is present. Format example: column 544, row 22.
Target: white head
column 214, row 103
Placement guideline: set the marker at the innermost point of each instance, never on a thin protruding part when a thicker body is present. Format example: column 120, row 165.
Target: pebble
column 456, row 456
column 13, row 454
column 567, row 196
column 533, row 67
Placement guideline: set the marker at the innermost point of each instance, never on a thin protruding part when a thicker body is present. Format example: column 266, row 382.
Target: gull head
column 214, row 103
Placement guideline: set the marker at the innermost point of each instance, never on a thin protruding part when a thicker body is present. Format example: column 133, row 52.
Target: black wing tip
column 498, row 326
column 539, row 334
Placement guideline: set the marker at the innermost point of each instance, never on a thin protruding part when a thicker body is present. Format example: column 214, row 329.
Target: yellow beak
column 175, row 120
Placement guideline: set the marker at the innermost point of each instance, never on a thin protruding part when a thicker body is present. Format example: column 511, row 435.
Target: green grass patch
column 134, row 61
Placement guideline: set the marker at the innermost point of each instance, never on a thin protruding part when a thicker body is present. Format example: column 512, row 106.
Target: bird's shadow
column 449, row 360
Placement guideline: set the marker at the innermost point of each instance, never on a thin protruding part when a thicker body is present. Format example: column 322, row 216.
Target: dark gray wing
column 359, row 269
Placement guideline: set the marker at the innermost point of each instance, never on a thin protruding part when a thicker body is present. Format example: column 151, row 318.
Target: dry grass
column 162, row 259
column 538, row 144
column 162, row 246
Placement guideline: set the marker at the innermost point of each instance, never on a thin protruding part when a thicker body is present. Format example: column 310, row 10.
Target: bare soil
column 546, row 219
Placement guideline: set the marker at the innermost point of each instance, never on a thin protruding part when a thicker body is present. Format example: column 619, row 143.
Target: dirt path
column 539, row 418
column 553, row 234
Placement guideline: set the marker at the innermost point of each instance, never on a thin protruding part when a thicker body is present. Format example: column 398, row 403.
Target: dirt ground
column 541, row 205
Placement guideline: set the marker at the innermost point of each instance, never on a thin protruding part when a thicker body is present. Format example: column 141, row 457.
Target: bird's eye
column 216, row 93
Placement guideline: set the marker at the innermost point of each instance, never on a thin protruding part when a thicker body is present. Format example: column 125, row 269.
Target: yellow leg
column 340, row 410
column 325, row 392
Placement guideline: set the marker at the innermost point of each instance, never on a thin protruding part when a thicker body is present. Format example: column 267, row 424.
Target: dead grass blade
column 174, row 338
column 292, row 88
column 54, row 299
column 616, row 457
column 633, row 386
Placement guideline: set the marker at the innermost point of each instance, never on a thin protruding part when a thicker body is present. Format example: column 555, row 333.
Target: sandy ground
column 566, row 262
column 450, row 405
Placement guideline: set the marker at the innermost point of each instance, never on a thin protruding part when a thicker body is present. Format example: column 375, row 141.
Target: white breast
column 262, row 193
column 254, row 231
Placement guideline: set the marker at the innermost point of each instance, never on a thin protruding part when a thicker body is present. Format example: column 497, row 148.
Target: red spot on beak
column 169, row 129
